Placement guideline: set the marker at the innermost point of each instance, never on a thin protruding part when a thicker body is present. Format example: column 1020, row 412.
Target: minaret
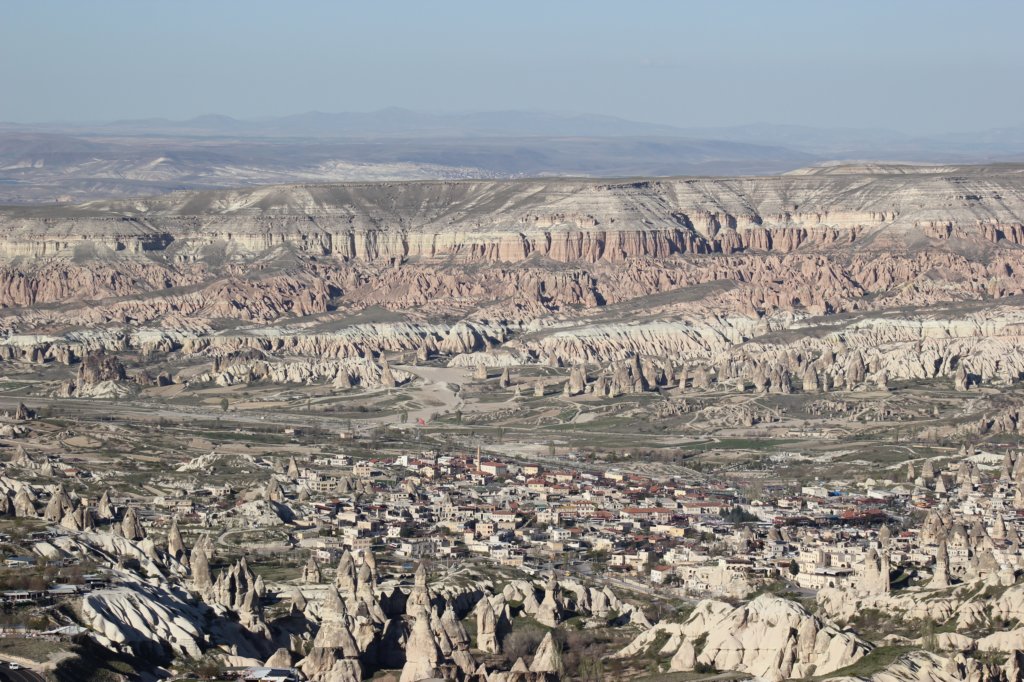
column 478, row 459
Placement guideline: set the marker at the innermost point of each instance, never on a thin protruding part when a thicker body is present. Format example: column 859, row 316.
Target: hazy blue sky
column 925, row 66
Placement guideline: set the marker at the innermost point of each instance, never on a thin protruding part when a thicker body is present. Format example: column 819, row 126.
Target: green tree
column 521, row 643
column 929, row 642
column 209, row 668
column 223, row 404
column 591, row 670
column 737, row 515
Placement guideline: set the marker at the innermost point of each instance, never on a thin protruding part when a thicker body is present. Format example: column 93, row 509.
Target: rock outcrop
column 335, row 654
column 770, row 637
column 758, row 256
column 422, row 655
column 135, row 616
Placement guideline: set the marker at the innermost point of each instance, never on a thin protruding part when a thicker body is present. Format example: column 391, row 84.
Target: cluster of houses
column 707, row 539
column 697, row 539
column 951, row 518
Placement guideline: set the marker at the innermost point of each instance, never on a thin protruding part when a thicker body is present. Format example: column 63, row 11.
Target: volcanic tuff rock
column 549, row 612
column 562, row 219
column 128, row 617
column 353, row 630
column 770, row 637
column 335, row 655
column 546, row 659
column 171, row 240
column 421, row 654
column 710, row 281
column 486, row 628
column 921, row 666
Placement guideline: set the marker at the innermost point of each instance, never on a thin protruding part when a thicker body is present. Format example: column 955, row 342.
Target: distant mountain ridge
column 397, row 121
column 74, row 162
column 404, row 122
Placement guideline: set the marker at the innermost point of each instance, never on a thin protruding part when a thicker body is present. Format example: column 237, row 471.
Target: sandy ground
column 440, row 388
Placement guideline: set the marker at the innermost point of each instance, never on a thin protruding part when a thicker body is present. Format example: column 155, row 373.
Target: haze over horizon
column 396, row 115
column 141, row 99
column 689, row 65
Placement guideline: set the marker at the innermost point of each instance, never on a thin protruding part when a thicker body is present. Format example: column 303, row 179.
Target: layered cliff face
column 562, row 220
column 690, row 269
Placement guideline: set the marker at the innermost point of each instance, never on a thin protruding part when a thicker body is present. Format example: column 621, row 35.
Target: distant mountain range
column 403, row 123
column 70, row 162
